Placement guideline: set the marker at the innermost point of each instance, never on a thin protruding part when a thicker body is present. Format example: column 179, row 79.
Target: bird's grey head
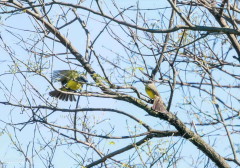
column 82, row 79
column 148, row 82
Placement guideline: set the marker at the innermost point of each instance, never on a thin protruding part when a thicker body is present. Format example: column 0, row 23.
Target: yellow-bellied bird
column 71, row 81
column 152, row 92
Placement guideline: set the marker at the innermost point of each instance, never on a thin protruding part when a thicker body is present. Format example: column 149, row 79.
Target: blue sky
column 106, row 47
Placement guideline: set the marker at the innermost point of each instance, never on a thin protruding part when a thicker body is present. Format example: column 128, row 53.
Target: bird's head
column 147, row 82
column 82, row 79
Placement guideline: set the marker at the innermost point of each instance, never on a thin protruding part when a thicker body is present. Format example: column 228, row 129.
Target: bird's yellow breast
column 73, row 85
column 150, row 93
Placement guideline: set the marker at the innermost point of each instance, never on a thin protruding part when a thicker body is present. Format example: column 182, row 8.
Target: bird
column 153, row 93
column 70, row 80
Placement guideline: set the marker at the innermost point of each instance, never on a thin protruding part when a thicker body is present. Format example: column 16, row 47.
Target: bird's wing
column 64, row 75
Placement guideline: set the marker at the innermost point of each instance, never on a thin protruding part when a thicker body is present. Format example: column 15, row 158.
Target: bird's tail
column 158, row 105
column 62, row 96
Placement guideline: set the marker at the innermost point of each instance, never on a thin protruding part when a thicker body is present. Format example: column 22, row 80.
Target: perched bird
column 152, row 92
column 70, row 80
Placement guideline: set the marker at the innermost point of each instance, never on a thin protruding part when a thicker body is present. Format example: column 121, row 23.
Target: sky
column 105, row 46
